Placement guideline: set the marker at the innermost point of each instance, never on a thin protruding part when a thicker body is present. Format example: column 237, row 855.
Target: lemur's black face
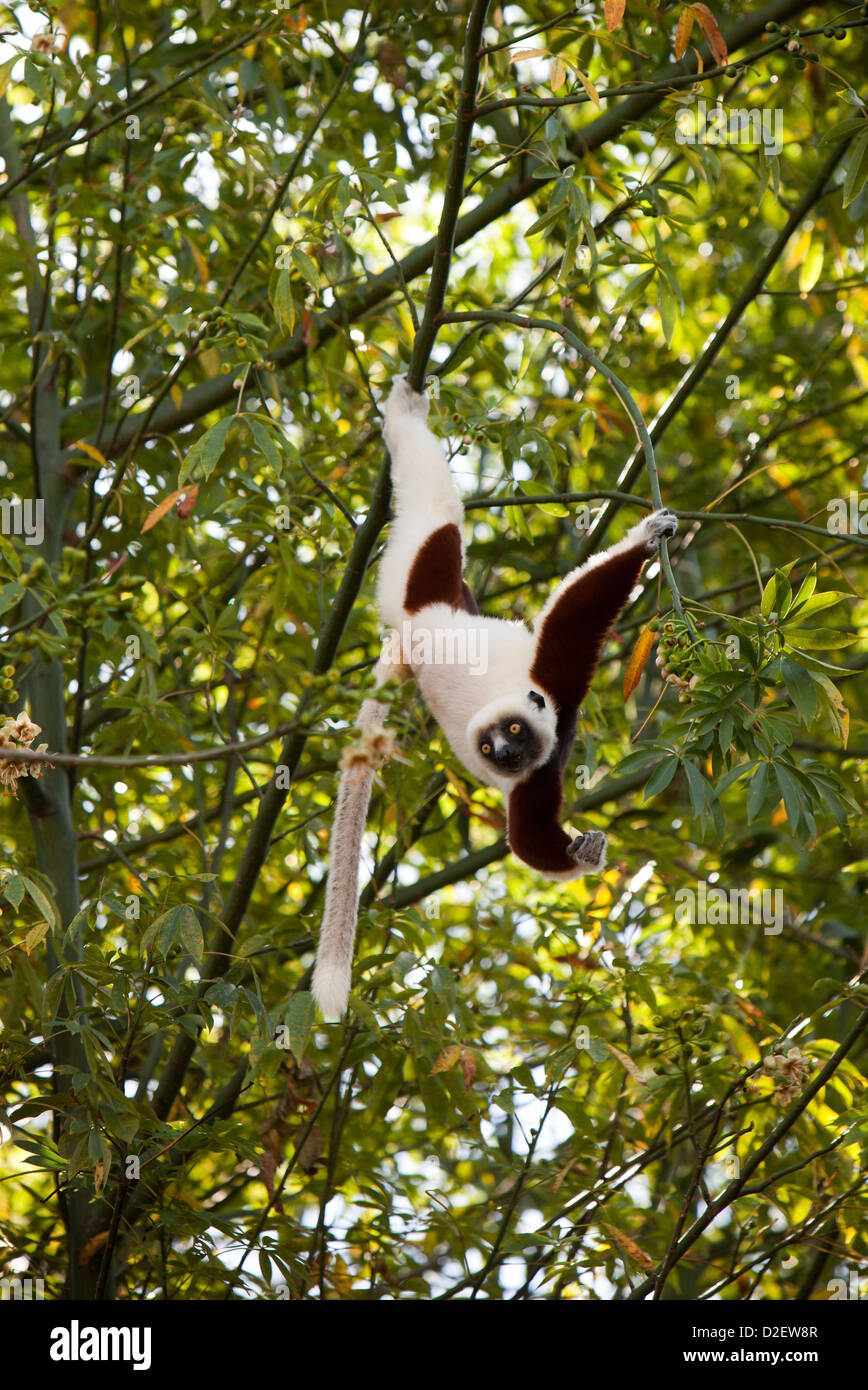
column 511, row 746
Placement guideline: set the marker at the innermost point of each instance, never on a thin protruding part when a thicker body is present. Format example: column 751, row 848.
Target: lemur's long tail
column 334, row 960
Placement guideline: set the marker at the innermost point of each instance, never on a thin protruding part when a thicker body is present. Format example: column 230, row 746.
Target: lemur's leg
column 421, row 564
column 423, row 558
column 572, row 625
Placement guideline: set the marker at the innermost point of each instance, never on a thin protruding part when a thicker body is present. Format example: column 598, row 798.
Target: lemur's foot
column 589, row 850
column 403, row 402
column 656, row 526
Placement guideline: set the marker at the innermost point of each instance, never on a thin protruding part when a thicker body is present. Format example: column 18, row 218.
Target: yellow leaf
column 589, row 87
column 160, row 510
column 614, row 12
column 627, row 1063
column 563, row 1173
column 812, row 265
column 447, row 1059
column 798, row 251
column 557, row 74
column 638, row 657
column 522, row 53
column 339, row 1278
column 201, row 263
column 683, row 31
column 92, row 453
column 210, row 360
column 628, row 1246
column 93, row 1247
column 34, row 936
column 299, row 24
column 6, row 73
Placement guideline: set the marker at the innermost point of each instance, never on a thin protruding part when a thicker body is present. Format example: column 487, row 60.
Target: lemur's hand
column 589, row 850
column 655, row 527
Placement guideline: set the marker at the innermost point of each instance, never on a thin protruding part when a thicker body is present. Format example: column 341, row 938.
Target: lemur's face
column 512, row 746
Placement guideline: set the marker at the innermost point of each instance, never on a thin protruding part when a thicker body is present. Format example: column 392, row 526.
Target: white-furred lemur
column 511, row 717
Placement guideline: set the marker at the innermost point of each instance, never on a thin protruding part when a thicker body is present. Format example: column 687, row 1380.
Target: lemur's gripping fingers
column 403, row 402
column 656, row 526
column 589, row 850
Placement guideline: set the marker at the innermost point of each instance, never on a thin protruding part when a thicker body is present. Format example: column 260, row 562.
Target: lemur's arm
column 570, row 632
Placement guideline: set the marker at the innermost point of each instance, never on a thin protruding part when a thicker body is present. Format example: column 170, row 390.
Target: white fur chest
column 462, row 662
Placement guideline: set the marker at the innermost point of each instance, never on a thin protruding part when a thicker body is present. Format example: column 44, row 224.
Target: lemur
column 511, row 718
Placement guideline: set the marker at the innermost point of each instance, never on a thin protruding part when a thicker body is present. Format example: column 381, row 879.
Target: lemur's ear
column 536, row 699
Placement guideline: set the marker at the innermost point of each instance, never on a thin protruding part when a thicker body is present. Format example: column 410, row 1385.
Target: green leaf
column 205, row 454
column 634, row 287
column 724, row 732
column 791, row 794
column 190, row 931
column 546, row 220
column 820, row 638
column 668, row 306
column 661, row 777
column 757, row 790
column 36, row 79
column 815, row 603
column 161, row 934
column 701, row 793
column 856, row 164
column 306, row 267
column 731, row 777
column 282, row 301
column 809, row 584
column 845, row 128
column 266, row 444
column 45, row 904
column 777, row 596
column 801, row 688
column 13, row 890
column 11, row 594
column 300, row 1019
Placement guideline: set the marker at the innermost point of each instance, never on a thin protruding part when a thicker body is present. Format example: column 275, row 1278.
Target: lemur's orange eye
column 486, row 748
column 515, row 728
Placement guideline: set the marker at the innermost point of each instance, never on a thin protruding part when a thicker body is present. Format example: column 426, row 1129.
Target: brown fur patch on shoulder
column 435, row 575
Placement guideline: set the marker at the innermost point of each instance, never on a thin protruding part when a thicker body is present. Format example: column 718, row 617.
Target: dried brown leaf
column 683, row 31
column 638, row 657
column 447, row 1059
column 614, row 12
column 716, row 41
column 629, row 1246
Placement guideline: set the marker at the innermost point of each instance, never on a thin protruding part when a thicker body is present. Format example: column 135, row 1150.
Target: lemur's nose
column 507, row 755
